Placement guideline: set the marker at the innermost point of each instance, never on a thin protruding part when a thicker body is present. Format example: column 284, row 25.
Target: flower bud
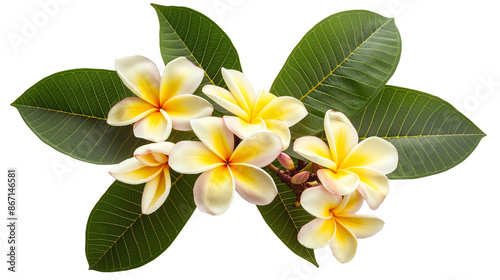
column 286, row 161
column 300, row 178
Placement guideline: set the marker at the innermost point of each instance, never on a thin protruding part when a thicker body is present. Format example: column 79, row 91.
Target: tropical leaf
column 186, row 32
column 285, row 220
column 342, row 63
column 68, row 111
column 430, row 134
column 119, row 237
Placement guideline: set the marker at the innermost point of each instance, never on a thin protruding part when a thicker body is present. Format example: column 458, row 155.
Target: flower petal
column 317, row 233
column 141, row 76
column 225, row 98
column 315, row 150
column 343, row 244
column 154, row 154
column 375, row 153
column 340, row 183
column 350, row 204
column 373, row 185
column 281, row 130
column 156, row 192
column 215, row 135
column 341, row 135
column 192, row 157
column 131, row 171
column 213, row 190
column 161, row 147
column 362, row 226
column 128, row 111
column 259, row 149
column 155, row 127
column 286, row 109
column 183, row 108
column 253, row 184
column 262, row 100
column 240, row 87
column 180, row 77
column 319, row 202
column 243, row 129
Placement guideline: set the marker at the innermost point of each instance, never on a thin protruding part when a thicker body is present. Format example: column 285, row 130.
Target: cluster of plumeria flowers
column 233, row 150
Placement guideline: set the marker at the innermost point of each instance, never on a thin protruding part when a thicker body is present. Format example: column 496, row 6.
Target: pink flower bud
column 286, row 161
column 300, row 178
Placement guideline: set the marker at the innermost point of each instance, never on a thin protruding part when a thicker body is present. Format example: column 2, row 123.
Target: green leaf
column 68, row 111
column 285, row 220
column 430, row 134
column 119, row 237
column 342, row 63
column 186, row 32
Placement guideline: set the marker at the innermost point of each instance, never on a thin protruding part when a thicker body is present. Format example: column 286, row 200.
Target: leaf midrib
column 58, row 111
column 345, row 59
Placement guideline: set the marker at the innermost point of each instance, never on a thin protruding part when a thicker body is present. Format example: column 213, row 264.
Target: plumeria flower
column 149, row 165
column 225, row 168
column 336, row 223
column 349, row 166
column 162, row 102
column 255, row 112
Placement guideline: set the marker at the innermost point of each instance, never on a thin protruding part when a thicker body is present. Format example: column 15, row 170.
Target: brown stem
column 285, row 176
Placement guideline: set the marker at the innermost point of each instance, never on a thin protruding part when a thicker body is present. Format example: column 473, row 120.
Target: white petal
column 156, row 192
column 183, row 108
column 341, row 135
column 128, row 111
column 341, row 183
column 213, row 190
column 343, row 244
column 375, row 153
column 192, row 157
column 131, row 171
column 225, row 98
column 319, row 202
column 141, row 76
column 373, row 185
column 317, row 233
column 243, row 129
column 153, row 154
column 155, row 127
column 180, row 77
column 350, row 204
column 215, row 135
column 161, row 147
column 285, row 109
column 362, row 226
column 240, row 87
column 254, row 184
column 315, row 150
column 262, row 100
column 281, row 130
column 259, row 149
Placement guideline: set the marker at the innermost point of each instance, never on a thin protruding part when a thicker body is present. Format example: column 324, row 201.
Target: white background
column 442, row 227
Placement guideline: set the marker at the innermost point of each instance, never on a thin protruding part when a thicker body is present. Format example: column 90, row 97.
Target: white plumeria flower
column 225, row 168
column 163, row 102
column 255, row 112
column 348, row 165
column 149, row 165
column 335, row 223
